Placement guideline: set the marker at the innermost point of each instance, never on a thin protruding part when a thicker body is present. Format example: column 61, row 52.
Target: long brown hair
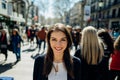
column 48, row 64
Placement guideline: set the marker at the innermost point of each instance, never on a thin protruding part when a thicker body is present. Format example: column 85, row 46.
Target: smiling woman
column 57, row 63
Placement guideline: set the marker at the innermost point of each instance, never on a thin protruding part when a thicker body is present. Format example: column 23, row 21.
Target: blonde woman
column 91, row 55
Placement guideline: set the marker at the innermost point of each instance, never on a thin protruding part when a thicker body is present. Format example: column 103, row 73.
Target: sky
column 49, row 12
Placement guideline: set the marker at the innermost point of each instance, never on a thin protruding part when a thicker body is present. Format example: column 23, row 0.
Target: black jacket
column 38, row 69
column 93, row 72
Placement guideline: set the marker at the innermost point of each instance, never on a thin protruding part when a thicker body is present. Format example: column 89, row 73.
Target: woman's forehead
column 58, row 34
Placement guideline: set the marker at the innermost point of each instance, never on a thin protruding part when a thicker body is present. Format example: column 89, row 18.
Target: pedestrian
column 91, row 53
column 41, row 35
column 108, row 49
column 57, row 63
column 32, row 35
column 16, row 43
column 77, row 37
column 108, row 41
column 115, row 61
column 28, row 34
column 4, row 43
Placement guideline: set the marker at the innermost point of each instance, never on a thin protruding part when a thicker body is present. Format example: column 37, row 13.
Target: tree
column 42, row 19
column 61, row 7
column 43, row 5
column 27, row 11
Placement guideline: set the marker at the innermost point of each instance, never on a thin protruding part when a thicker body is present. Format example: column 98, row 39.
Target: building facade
column 16, row 12
column 75, row 14
column 78, row 16
column 106, row 15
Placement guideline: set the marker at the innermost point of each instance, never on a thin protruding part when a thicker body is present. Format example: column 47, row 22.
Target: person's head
column 92, row 49
column 59, row 41
column 106, row 37
column 15, row 31
column 58, row 36
column 69, row 27
column 3, row 31
column 117, row 43
column 43, row 28
column 32, row 26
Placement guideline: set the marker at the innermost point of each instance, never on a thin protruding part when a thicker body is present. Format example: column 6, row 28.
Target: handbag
column 3, row 46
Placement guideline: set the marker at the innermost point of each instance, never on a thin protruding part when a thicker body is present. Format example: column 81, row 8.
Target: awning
column 4, row 17
column 18, row 19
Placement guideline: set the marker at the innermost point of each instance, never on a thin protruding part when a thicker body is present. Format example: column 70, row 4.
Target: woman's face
column 14, row 32
column 3, row 32
column 58, row 42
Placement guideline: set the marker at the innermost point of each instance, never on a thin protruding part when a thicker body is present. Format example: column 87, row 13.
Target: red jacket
column 41, row 34
column 115, row 63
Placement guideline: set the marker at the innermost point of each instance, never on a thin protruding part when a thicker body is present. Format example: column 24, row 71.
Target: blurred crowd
column 108, row 58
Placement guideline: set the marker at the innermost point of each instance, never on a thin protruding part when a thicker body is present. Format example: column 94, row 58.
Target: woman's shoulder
column 40, row 58
column 76, row 59
column 78, row 53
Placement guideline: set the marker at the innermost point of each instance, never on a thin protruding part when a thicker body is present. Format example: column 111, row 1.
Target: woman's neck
column 58, row 59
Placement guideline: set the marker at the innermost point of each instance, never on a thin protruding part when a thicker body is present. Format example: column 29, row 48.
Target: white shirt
column 60, row 75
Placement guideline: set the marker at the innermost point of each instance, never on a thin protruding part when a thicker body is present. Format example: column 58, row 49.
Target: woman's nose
column 58, row 43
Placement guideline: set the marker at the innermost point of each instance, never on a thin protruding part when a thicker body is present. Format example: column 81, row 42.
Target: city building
column 75, row 14
column 105, row 13
column 4, row 17
column 17, row 13
column 78, row 16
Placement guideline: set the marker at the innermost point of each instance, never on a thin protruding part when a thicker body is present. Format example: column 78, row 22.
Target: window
column 4, row 4
column 113, row 13
column 119, row 12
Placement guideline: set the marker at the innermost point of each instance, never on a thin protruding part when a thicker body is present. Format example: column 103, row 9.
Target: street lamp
column 33, row 11
column 100, row 5
column 82, row 12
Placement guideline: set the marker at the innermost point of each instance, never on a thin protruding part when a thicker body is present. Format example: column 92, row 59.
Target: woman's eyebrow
column 64, row 37
column 61, row 37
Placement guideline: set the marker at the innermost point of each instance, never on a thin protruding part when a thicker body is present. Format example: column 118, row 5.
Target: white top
column 61, row 74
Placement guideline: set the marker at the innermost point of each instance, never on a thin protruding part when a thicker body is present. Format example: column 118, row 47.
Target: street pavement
column 22, row 70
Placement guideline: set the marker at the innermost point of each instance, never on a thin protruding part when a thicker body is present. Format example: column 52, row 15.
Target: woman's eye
column 53, row 39
column 63, row 40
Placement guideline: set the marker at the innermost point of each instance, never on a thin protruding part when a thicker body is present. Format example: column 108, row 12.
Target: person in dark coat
column 92, row 56
column 4, row 43
column 57, row 63
column 16, row 43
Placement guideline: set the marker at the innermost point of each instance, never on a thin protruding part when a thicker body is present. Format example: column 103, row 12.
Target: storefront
column 115, row 24
column 4, row 21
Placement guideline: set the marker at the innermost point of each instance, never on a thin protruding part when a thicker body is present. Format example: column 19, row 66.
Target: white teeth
column 58, row 49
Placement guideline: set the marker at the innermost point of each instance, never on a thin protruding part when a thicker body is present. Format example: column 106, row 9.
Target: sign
column 87, row 13
column 35, row 18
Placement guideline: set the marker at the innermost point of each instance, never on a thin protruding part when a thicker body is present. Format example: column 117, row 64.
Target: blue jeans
column 16, row 50
column 40, row 42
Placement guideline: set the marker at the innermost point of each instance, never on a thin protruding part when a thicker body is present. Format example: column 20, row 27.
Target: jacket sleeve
column 77, row 68
column 38, row 68
column 78, row 54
